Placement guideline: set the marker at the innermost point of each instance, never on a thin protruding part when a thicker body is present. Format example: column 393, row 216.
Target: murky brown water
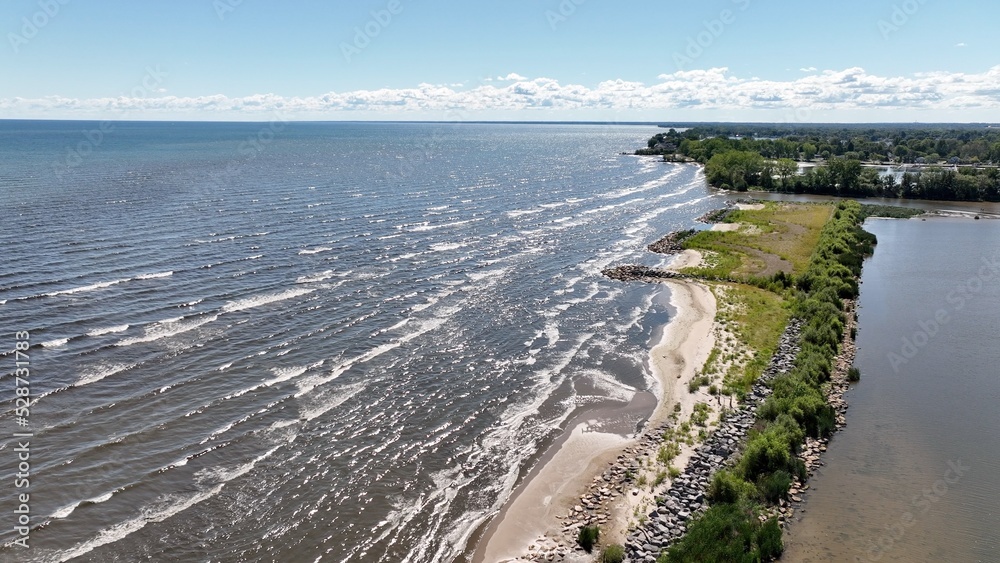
column 915, row 476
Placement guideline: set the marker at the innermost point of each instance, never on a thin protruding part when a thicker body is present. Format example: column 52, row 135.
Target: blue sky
column 878, row 60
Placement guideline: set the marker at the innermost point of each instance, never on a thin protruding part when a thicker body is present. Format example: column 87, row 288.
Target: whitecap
column 316, row 250
column 263, row 299
column 154, row 276
column 108, row 330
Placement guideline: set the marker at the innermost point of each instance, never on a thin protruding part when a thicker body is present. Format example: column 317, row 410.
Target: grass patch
column 614, row 553
column 758, row 318
column 783, row 234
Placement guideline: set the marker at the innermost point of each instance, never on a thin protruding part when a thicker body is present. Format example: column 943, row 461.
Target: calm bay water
column 915, row 476
column 313, row 342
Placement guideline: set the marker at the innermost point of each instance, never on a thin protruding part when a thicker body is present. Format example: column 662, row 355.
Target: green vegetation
column 759, row 318
column 587, row 537
column 614, row 553
column 728, row 532
column 731, row 529
column 700, row 415
column 888, row 211
column 728, row 487
column 763, row 157
column 668, row 452
column 772, row 244
column 854, row 375
column 661, row 476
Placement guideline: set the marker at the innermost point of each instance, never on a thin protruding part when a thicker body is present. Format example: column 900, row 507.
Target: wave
column 324, row 404
column 106, row 284
column 59, row 342
column 96, row 374
column 264, row 299
column 316, row 250
column 154, row 276
column 85, row 288
column 318, row 277
column 280, row 375
column 68, row 509
column 108, row 330
column 166, row 329
column 428, row 227
column 446, row 246
column 161, row 510
column 308, row 384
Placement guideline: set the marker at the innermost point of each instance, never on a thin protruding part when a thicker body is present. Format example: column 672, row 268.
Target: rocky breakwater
column 632, row 272
column 686, row 496
column 671, row 244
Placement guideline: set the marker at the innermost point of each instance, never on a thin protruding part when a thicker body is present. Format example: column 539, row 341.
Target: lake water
column 915, row 476
column 313, row 341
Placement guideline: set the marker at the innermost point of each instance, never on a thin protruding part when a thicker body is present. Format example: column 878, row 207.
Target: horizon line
column 520, row 122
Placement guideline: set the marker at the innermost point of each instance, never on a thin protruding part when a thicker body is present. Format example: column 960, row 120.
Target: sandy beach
column 532, row 521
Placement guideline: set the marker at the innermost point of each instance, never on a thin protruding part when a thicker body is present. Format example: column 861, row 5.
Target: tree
column 739, row 169
column 846, row 175
column 786, row 168
column 809, row 151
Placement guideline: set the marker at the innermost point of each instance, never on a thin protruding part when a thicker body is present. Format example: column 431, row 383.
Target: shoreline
column 545, row 511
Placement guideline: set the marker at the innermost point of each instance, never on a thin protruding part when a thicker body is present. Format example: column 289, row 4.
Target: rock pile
column 671, row 244
column 715, row 216
column 686, row 496
column 632, row 272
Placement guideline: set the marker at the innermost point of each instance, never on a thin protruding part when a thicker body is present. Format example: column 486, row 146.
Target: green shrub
column 854, row 375
column 725, row 533
column 660, row 478
column 727, row 487
column 774, row 487
column 614, row 553
column 668, row 452
column 769, row 540
column 587, row 537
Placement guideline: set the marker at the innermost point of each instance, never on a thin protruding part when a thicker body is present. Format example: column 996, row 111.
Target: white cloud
column 808, row 69
column 961, row 45
column 511, row 76
column 695, row 92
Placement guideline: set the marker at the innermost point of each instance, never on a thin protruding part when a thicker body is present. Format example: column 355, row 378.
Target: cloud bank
column 691, row 92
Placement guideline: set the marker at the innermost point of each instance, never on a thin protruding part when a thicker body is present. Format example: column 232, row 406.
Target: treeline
column 745, row 163
column 952, row 144
column 731, row 529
